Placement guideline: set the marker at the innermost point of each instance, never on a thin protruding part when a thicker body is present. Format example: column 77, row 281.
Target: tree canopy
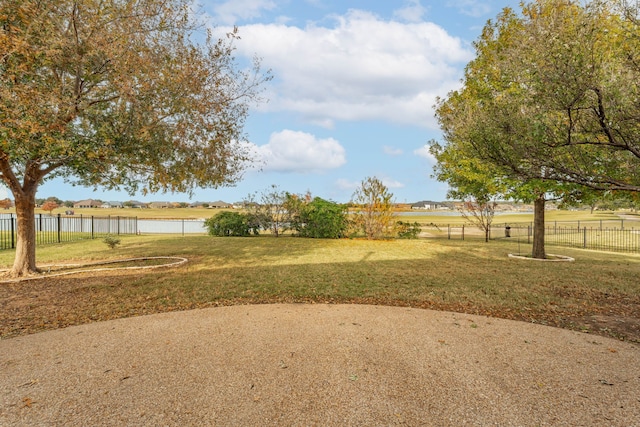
column 557, row 93
column 550, row 105
column 116, row 94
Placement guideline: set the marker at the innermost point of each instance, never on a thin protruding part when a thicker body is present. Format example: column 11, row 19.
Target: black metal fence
column 613, row 237
column 58, row 228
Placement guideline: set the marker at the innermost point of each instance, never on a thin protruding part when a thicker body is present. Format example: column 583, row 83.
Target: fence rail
column 609, row 235
column 58, row 228
column 596, row 236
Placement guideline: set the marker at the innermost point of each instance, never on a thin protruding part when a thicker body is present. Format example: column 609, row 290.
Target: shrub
column 407, row 230
column 230, row 224
column 323, row 219
column 111, row 241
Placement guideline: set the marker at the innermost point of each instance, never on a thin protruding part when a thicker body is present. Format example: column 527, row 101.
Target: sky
column 352, row 95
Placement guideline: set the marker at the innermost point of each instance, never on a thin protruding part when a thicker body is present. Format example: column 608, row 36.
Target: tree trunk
column 538, row 228
column 25, row 260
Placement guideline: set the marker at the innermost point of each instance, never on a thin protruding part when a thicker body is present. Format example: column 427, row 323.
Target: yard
column 599, row 293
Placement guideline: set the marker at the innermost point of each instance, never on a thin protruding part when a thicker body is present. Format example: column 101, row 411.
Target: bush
column 322, row 219
column 111, row 241
column 407, row 230
column 230, row 224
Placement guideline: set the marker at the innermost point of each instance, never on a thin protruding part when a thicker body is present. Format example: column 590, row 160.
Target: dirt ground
column 318, row 364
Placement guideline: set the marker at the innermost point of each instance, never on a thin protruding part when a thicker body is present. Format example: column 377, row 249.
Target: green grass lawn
column 465, row 276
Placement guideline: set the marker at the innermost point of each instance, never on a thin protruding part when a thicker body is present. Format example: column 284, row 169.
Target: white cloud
column 229, row 12
column 293, row 151
column 346, row 185
column 391, row 183
column 361, row 68
column 413, row 12
column 392, row 151
column 473, row 8
column 424, row 153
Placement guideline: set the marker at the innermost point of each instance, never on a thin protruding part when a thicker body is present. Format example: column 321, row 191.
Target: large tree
column 551, row 101
column 558, row 91
column 482, row 182
column 130, row 94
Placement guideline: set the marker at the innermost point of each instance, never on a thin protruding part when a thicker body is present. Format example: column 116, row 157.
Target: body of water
column 171, row 226
column 455, row 213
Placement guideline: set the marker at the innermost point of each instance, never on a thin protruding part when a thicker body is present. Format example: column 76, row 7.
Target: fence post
column 462, row 231
column 59, row 227
column 449, row 231
column 118, row 225
column 528, row 234
column 584, row 245
column 92, row 227
column 13, row 232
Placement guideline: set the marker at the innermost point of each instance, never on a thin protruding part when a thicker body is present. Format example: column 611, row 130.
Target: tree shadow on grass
column 244, row 271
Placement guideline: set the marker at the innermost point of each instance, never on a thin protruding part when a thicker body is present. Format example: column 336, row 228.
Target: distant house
column 7, row 203
column 245, row 205
column 160, row 205
column 110, row 205
column 89, row 203
column 134, row 204
column 427, row 205
column 219, row 205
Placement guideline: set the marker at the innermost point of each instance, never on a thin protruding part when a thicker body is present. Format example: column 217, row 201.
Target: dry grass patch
column 467, row 276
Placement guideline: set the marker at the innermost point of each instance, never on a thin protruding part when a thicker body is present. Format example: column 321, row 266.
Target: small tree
column 374, row 204
column 271, row 212
column 295, row 206
column 480, row 212
column 49, row 206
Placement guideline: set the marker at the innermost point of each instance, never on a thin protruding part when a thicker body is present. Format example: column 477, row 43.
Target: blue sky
column 352, row 95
